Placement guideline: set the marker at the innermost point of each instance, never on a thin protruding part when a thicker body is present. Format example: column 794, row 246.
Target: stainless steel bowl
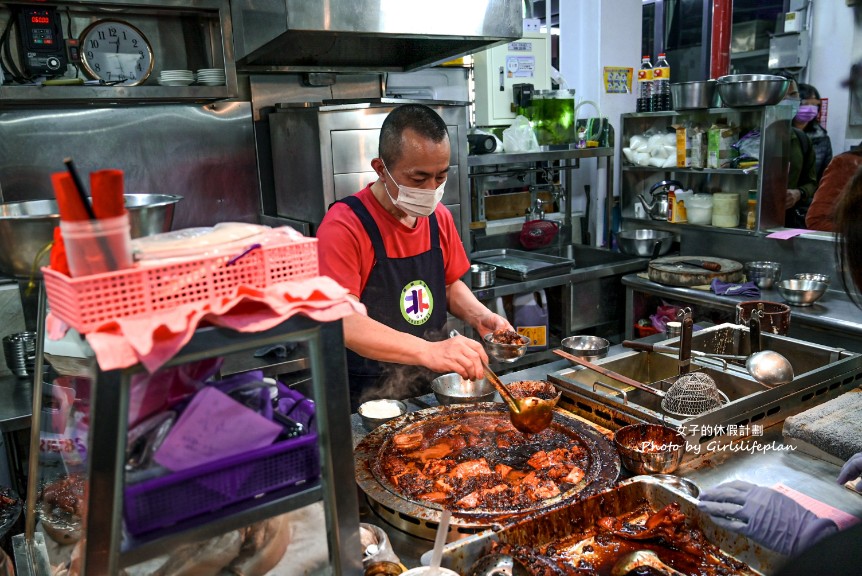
column 813, row 276
column 376, row 412
column 642, row 242
column 505, row 352
column 802, row 292
column 452, row 389
column 650, row 448
column 587, row 347
column 28, row 227
column 483, row 275
column 694, row 95
column 683, row 485
column 763, row 273
column 740, row 90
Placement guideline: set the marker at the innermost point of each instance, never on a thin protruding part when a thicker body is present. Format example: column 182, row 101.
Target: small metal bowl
column 812, row 276
column 377, row 412
column 587, row 347
column 801, row 292
column 505, row 352
column 452, row 389
column 482, row 275
column 679, row 484
column 764, row 274
column 650, row 448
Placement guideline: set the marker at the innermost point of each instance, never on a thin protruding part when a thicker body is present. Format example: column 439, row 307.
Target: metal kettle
column 659, row 208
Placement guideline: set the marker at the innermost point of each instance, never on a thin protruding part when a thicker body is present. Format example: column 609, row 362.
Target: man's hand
column 456, row 354
column 490, row 322
column 765, row 515
column 793, row 196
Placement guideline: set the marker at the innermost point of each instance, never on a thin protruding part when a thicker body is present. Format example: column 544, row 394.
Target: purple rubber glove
column 852, row 469
column 764, row 515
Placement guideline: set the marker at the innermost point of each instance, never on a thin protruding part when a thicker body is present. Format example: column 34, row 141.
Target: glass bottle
column 661, row 85
column 751, row 215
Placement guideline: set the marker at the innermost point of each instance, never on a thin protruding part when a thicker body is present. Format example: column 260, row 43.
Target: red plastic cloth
column 154, row 339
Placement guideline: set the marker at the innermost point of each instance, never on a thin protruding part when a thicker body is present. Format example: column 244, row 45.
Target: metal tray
column 540, row 529
column 521, row 265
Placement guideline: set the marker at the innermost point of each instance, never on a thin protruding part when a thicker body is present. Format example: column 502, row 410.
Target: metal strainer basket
column 692, row 395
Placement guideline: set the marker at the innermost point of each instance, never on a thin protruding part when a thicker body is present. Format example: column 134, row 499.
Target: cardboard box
column 720, row 141
column 690, row 147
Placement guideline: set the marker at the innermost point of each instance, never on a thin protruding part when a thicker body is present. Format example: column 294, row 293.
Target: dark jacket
column 802, row 176
column 822, row 147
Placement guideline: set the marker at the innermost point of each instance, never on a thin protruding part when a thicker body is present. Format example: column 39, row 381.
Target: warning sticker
column 520, row 66
column 538, row 335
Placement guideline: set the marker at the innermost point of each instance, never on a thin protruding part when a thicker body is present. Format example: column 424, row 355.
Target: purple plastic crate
column 164, row 501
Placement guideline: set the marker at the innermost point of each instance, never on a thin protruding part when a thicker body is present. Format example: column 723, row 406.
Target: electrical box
column 498, row 69
column 789, row 50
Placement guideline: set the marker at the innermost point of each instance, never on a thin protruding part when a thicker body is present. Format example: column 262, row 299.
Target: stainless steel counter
column 834, row 320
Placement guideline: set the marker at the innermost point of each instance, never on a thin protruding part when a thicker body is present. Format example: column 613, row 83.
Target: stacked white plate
column 211, row 76
column 176, row 77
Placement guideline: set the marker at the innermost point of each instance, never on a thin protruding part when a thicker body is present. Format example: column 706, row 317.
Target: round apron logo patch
column 416, row 302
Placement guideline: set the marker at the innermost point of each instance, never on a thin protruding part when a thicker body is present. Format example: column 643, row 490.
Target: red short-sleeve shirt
column 346, row 255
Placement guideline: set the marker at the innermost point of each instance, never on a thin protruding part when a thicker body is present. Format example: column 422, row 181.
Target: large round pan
column 600, row 473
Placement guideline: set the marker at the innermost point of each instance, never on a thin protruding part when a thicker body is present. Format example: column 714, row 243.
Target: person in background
column 807, row 121
column 396, row 249
column 821, row 212
column 801, row 178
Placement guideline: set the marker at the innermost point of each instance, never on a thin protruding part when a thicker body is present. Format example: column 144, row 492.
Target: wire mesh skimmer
column 693, row 394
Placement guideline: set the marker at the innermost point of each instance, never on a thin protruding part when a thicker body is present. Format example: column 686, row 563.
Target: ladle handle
column 685, row 345
column 501, row 388
column 609, row 373
column 642, row 346
column 754, row 331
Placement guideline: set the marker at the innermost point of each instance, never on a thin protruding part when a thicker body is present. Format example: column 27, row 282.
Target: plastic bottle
column 645, row 85
column 531, row 318
column 661, row 85
column 751, row 215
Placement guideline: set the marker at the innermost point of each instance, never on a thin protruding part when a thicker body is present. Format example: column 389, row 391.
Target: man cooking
column 397, row 250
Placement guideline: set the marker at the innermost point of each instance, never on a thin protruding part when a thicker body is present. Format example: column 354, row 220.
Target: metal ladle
column 529, row 415
column 767, row 367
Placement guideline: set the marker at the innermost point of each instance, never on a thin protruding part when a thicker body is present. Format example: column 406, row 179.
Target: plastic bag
column 664, row 314
column 519, row 137
column 749, row 145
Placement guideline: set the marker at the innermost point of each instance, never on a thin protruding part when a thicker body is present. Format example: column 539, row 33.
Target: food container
column 694, row 95
column 725, row 209
column 813, row 276
column 505, row 352
column 587, row 347
column 775, row 317
column 699, row 209
column 650, row 448
column 802, row 292
column 376, row 412
column 483, row 275
column 452, row 389
column 643, row 242
column 740, row 90
column 763, row 273
column 554, row 117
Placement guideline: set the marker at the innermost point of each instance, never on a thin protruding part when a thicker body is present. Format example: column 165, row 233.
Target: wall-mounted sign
column 618, row 80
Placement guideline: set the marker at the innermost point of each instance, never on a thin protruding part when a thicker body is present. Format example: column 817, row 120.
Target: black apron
column 397, row 295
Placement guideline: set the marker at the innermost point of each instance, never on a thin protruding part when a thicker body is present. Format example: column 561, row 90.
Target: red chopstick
column 106, row 186
column 68, row 199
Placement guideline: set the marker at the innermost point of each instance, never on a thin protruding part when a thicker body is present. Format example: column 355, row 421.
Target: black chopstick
column 79, row 186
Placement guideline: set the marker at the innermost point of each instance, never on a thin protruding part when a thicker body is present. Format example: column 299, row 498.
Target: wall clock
column 116, row 52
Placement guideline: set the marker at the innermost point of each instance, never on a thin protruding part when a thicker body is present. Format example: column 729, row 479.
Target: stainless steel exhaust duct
column 367, row 35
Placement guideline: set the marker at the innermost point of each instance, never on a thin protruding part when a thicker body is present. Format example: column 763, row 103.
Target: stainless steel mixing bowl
column 802, row 292
column 740, row 90
column 694, row 95
column 27, row 227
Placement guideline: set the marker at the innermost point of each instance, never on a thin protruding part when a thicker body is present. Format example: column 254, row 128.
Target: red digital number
column 39, row 20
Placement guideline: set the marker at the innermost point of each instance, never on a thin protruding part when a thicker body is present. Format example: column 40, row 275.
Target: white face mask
column 415, row 202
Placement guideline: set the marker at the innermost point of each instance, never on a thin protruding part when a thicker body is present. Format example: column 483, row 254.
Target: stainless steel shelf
column 676, row 226
column 29, row 95
column 545, row 154
column 692, row 111
column 737, row 171
column 106, row 551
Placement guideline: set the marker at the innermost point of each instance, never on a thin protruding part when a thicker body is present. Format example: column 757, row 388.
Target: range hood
column 367, row 35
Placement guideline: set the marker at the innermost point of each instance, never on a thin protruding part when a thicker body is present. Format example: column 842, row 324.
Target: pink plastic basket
column 87, row 302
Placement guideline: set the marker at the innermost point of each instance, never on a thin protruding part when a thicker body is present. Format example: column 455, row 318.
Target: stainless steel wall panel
column 349, row 184
column 203, row 153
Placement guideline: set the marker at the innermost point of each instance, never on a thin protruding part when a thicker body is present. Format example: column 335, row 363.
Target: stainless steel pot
column 694, row 95
column 738, row 90
column 483, row 275
column 645, row 242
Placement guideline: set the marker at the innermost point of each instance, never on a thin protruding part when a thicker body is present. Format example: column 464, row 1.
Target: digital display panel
column 40, row 20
